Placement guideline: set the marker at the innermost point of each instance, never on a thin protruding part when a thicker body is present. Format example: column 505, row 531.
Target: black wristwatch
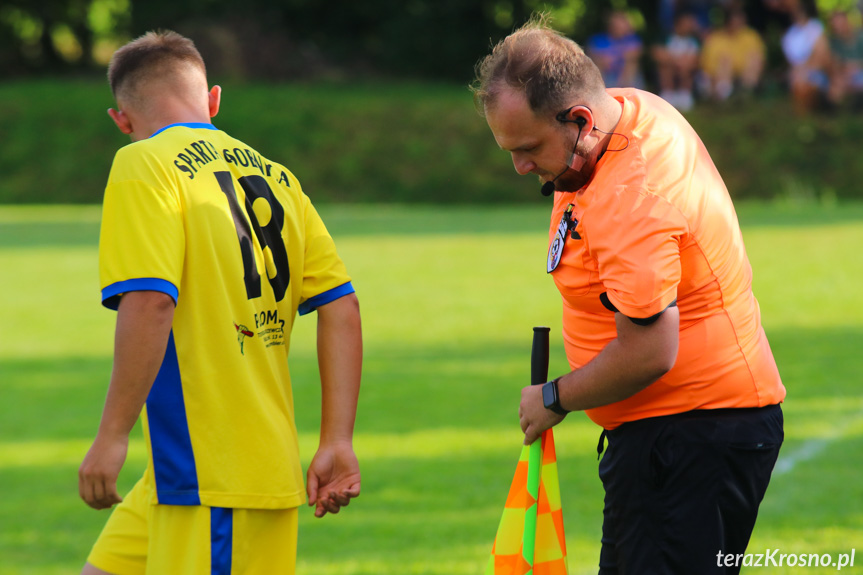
column 551, row 398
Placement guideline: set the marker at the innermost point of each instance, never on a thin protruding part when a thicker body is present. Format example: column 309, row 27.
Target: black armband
column 603, row 297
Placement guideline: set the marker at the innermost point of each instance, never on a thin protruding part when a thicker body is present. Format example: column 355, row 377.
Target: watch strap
column 555, row 405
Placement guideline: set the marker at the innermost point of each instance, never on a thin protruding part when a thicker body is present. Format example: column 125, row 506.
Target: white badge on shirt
column 565, row 227
column 555, row 250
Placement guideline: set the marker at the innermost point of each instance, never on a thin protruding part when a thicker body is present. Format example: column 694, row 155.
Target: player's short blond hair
column 154, row 53
column 548, row 67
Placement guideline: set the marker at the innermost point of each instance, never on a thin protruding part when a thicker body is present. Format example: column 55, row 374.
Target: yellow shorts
column 145, row 539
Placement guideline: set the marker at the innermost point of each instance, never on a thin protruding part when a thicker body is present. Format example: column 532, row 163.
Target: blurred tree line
column 290, row 39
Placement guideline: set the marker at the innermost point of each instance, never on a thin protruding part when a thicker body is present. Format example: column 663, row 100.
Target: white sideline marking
column 808, row 450
column 812, row 448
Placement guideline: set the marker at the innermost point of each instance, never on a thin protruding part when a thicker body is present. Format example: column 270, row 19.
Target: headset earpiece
column 580, row 121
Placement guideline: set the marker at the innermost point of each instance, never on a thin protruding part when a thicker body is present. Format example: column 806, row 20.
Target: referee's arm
column 639, row 355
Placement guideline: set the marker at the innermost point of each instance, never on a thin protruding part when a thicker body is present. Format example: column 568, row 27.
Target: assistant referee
column 661, row 328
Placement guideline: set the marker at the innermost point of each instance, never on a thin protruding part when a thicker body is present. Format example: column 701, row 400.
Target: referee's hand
column 533, row 415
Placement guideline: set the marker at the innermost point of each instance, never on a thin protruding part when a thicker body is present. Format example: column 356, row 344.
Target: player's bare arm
column 333, row 478
column 143, row 326
column 639, row 355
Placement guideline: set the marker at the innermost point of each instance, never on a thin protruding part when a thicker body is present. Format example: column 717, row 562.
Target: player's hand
column 533, row 415
column 333, row 478
column 97, row 476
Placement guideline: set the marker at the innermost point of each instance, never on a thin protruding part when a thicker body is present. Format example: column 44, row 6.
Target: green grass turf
column 449, row 297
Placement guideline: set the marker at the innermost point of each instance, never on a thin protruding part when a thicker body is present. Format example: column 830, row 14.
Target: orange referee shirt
column 657, row 225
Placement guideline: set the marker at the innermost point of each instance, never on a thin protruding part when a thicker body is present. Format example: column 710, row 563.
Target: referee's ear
column 214, row 99
column 121, row 119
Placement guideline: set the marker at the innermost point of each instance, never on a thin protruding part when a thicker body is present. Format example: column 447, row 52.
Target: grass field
column 449, row 297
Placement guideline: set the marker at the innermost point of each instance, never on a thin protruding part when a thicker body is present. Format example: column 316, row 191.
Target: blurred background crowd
column 720, row 51
column 689, row 51
column 369, row 99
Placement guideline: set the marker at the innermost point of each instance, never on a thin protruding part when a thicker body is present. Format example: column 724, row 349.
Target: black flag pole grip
column 539, row 356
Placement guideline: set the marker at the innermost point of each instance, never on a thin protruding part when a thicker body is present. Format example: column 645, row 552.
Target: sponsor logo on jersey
column 242, row 333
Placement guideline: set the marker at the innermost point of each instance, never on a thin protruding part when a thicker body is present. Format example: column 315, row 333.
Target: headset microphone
column 548, row 188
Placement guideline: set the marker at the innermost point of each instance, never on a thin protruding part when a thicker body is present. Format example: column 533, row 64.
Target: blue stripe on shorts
column 221, row 540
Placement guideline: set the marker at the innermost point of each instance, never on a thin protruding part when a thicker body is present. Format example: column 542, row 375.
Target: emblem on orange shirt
column 565, row 227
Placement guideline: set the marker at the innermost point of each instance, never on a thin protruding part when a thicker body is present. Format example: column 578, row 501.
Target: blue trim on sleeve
column 170, row 440
column 328, row 296
column 111, row 294
column 196, row 125
column 221, row 540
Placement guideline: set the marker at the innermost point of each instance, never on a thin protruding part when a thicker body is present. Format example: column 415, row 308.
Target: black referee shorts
column 682, row 488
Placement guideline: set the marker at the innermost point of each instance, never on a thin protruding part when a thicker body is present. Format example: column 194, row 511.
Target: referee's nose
column 522, row 164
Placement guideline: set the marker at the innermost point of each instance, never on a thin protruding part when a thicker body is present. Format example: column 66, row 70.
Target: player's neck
column 156, row 122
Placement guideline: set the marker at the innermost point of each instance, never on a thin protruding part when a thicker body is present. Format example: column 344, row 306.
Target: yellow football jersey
column 230, row 235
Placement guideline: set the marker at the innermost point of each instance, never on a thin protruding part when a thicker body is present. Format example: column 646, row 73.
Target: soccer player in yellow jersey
column 208, row 250
column 661, row 328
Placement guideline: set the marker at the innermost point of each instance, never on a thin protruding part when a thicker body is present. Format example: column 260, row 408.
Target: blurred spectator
column 699, row 9
column 846, row 61
column 617, row 52
column 733, row 57
column 677, row 61
column 805, row 47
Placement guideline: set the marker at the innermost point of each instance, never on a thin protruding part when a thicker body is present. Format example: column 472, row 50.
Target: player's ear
column 214, row 99
column 121, row 119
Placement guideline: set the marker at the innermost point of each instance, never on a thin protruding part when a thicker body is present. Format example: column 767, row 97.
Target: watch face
column 548, row 398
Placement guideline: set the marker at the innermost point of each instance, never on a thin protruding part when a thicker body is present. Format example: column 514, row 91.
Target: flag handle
column 538, row 376
column 539, row 356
